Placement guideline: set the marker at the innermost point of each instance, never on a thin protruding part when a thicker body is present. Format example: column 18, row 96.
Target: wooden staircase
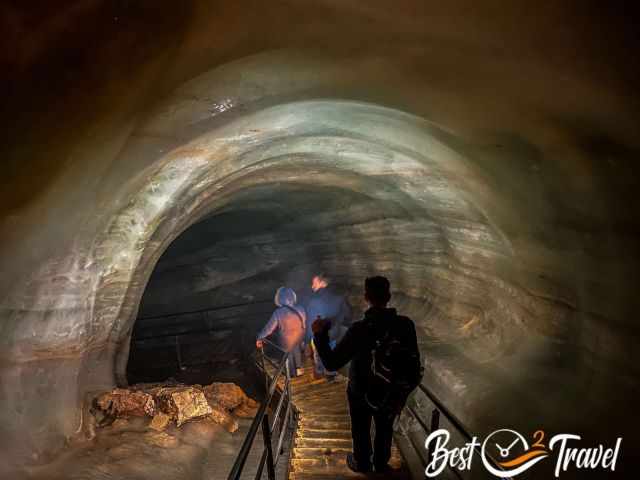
column 323, row 435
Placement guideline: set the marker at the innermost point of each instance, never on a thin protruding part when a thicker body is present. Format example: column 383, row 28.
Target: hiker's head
column 377, row 291
column 319, row 282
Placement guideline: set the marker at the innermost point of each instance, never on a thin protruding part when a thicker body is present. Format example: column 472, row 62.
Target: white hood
column 285, row 296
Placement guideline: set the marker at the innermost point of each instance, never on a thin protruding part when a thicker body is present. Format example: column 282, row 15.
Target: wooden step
column 331, row 417
column 314, row 452
column 332, row 462
column 313, row 433
column 323, row 436
column 330, row 394
column 348, row 475
column 309, row 442
column 321, row 410
column 303, row 424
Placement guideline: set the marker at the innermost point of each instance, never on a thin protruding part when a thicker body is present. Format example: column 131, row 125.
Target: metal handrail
column 204, row 310
column 262, row 419
column 175, row 334
column 453, row 420
column 140, row 340
column 274, row 345
column 447, row 413
column 284, row 395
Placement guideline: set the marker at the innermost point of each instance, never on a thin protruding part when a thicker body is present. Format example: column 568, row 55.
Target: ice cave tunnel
column 188, row 158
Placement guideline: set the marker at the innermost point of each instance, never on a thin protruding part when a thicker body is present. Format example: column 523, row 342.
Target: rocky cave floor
column 168, row 430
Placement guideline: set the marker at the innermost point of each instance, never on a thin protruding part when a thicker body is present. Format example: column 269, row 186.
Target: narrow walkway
column 323, row 436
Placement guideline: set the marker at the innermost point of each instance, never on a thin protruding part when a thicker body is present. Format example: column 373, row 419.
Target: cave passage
column 193, row 159
column 226, row 268
column 351, row 189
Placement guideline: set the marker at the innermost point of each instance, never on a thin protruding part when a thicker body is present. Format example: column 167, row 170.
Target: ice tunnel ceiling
column 483, row 160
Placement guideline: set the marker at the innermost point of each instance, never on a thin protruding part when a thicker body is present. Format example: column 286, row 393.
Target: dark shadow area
column 212, row 290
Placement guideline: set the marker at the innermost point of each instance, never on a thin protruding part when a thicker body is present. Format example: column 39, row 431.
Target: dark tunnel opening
column 212, row 289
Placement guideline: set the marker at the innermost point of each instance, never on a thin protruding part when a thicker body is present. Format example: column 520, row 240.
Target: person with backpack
column 385, row 369
column 290, row 320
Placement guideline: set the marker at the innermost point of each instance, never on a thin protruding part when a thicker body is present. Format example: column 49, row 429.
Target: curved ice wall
column 491, row 181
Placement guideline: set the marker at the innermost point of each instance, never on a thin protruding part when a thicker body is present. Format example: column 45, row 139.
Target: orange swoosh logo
column 523, row 458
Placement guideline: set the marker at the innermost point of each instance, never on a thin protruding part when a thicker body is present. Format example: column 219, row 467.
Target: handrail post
column 264, row 368
column 286, row 424
column 178, row 353
column 262, row 417
column 441, row 409
column 435, row 422
column 266, row 435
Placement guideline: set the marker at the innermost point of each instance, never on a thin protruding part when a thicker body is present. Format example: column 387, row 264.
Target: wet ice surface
column 135, row 452
column 129, row 449
column 197, row 450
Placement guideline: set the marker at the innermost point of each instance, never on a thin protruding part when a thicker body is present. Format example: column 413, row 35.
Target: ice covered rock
column 232, row 398
column 183, row 403
column 223, row 418
column 220, row 403
column 122, row 402
column 160, row 421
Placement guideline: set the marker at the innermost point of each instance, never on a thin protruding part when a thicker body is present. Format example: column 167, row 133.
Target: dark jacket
column 358, row 342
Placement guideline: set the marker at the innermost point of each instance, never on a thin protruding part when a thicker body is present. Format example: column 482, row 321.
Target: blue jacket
column 327, row 304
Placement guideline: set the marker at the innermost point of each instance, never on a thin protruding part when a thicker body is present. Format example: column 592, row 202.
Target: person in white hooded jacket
column 289, row 319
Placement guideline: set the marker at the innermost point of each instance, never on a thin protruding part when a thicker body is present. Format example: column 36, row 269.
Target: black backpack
column 396, row 370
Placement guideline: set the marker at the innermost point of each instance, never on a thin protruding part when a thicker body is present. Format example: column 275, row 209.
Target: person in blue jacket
column 325, row 303
column 290, row 320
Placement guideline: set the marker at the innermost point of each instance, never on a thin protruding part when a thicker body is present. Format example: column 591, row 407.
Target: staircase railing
column 268, row 428
column 180, row 329
column 204, row 310
column 262, row 419
column 434, row 424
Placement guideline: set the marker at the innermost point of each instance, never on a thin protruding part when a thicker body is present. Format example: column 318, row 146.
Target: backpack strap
column 297, row 314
